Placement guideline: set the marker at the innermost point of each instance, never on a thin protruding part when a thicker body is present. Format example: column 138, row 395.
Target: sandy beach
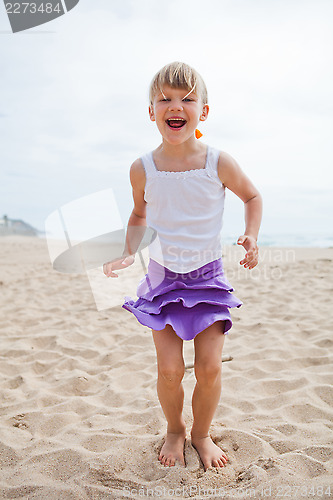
column 80, row 418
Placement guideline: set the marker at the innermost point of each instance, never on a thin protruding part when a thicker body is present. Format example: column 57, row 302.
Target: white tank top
column 185, row 208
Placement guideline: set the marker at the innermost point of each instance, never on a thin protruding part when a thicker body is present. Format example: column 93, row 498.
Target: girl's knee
column 172, row 373
column 208, row 372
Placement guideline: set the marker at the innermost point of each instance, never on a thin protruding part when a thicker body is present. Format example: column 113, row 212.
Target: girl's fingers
column 248, row 258
column 249, row 261
column 108, row 272
column 112, row 275
column 251, row 257
column 252, row 263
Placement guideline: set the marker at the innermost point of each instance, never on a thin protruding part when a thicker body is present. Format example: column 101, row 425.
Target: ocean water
column 288, row 240
column 279, row 240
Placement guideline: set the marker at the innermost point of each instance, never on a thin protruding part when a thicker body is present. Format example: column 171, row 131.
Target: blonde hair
column 178, row 75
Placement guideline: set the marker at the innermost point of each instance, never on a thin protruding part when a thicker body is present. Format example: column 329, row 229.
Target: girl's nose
column 176, row 104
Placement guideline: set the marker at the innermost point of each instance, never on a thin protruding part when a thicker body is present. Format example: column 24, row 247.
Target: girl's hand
column 252, row 251
column 122, row 263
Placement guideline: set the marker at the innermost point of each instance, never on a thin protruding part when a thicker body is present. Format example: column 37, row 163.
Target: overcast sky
column 74, row 98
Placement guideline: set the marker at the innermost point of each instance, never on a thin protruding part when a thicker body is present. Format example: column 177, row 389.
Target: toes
column 217, row 463
column 207, row 453
column 169, row 462
column 164, row 460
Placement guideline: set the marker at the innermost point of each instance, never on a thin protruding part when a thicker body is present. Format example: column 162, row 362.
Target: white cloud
column 76, row 100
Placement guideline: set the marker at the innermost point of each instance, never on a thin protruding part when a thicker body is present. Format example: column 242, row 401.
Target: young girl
column 178, row 190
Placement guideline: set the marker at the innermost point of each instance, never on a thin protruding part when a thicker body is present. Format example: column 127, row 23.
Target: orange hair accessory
column 197, row 133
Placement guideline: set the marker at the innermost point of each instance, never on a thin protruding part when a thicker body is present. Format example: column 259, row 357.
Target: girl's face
column 177, row 113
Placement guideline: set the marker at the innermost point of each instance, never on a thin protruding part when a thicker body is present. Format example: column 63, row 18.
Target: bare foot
column 173, row 449
column 211, row 455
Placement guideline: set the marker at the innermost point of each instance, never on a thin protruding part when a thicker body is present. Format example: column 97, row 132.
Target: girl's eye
column 187, row 100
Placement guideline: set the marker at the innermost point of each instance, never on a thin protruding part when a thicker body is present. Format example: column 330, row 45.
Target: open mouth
column 176, row 123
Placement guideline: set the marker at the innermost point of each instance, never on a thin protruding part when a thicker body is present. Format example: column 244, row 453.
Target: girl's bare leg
column 171, row 368
column 208, row 346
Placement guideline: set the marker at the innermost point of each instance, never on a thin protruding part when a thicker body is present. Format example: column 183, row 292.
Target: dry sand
column 80, row 418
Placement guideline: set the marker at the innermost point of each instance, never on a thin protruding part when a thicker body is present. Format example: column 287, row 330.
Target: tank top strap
column 148, row 164
column 212, row 162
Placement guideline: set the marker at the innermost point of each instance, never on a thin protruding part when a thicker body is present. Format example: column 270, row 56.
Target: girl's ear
column 204, row 113
column 151, row 113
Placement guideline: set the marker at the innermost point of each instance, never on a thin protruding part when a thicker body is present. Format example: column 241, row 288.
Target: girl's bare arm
column 232, row 176
column 136, row 224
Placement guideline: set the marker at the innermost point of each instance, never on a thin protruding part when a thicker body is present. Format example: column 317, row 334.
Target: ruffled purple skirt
column 188, row 302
